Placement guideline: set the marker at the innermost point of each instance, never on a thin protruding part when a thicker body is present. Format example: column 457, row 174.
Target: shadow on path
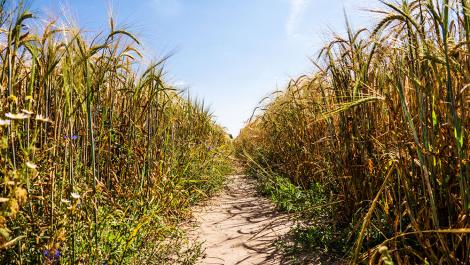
column 240, row 227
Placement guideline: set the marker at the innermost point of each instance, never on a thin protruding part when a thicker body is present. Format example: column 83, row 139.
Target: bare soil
column 239, row 227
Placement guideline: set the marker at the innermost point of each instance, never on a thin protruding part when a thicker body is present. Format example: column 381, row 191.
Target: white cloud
column 296, row 12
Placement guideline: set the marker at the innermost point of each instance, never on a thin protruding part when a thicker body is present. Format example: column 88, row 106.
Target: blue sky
column 229, row 53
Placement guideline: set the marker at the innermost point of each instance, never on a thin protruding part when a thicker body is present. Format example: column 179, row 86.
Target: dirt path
column 239, row 227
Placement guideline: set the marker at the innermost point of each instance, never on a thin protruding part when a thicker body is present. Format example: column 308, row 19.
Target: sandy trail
column 239, row 227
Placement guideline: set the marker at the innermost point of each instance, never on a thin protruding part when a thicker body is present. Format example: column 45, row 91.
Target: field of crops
column 381, row 129
column 100, row 158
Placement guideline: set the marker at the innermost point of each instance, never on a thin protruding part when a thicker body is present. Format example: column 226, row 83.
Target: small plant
column 291, row 198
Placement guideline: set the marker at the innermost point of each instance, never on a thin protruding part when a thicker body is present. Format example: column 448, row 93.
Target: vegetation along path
column 239, row 227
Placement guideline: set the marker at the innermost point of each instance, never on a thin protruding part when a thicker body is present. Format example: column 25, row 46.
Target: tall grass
column 383, row 125
column 98, row 160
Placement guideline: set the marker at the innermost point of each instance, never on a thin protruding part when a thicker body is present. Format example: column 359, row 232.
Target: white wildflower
column 4, row 122
column 31, row 165
column 18, row 116
column 39, row 117
column 27, row 111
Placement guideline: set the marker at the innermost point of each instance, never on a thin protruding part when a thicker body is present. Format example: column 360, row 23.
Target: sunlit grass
column 383, row 126
column 98, row 160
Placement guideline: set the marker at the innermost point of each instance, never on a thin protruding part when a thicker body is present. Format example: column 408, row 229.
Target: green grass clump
column 291, row 198
column 382, row 125
column 100, row 159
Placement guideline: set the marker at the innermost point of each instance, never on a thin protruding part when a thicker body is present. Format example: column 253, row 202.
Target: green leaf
column 459, row 136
